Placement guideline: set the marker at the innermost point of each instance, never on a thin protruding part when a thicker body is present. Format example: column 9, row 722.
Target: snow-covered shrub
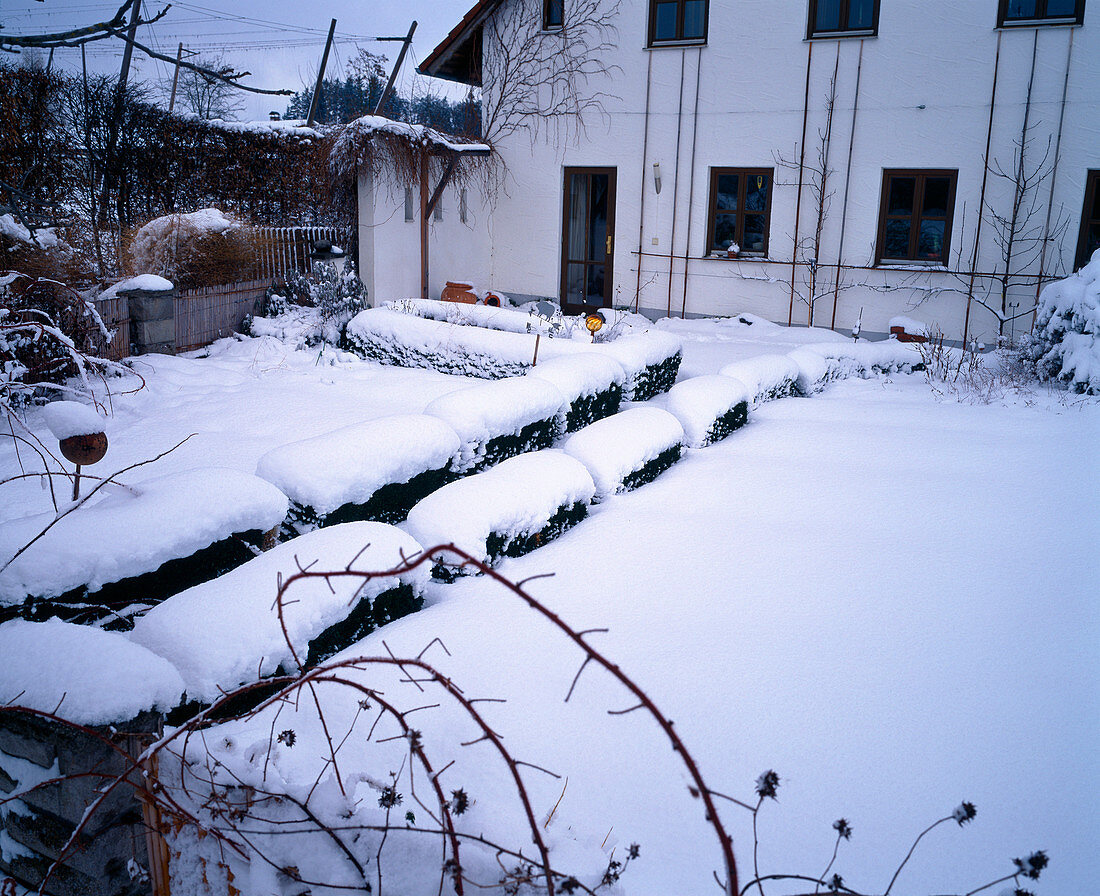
column 767, row 377
column 340, row 295
column 592, row 384
column 627, row 450
column 507, row 510
column 200, row 248
column 501, row 419
column 142, row 544
column 1065, row 344
column 337, row 297
column 865, row 359
column 709, row 408
column 651, row 360
column 227, row 633
column 375, row 470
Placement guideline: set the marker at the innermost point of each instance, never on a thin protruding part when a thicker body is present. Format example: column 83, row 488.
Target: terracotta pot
column 459, row 292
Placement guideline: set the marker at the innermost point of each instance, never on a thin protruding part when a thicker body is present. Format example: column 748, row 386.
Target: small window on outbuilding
column 437, row 212
column 409, row 215
column 463, row 211
column 677, row 22
column 553, row 15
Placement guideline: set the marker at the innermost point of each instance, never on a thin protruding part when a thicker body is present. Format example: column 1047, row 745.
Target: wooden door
column 588, row 244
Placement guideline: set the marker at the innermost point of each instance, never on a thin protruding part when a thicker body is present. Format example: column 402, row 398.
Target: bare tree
column 207, row 96
column 534, row 78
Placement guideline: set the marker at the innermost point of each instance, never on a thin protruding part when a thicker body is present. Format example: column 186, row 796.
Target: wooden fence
column 115, row 314
column 284, row 249
column 206, row 314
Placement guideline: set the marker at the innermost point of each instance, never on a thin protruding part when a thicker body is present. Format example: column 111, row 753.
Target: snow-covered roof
column 366, row 127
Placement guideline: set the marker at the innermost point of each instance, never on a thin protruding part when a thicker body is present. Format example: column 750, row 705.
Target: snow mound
column 909, row 325
column 43, row 238
column 349, row 465
column 1065, row 344
column 766, row 376
column 121, row 533
column 576, row 376
column 504, row 407
column 617, row 449
column 708, row 407
column 493, row 318
column 226, row 633
column 813, row 370
column 66, row 419
column 513, row 500
column 864, row 359
column 90, row 676
column 651, row 360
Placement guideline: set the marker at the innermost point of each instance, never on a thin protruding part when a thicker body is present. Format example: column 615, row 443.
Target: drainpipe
column 1053, row 177
column 801, row 170
column 981, row 198
column 641, row 202
column 691, row 180
column 676, row 180
column 847, row 183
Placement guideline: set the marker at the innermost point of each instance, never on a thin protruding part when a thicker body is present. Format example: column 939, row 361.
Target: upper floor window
column 836, row 18
column 553, row 14
column 1041, row 12
column 915, row 216
column 740, row 205
column 1089, row 241
column 677, row 21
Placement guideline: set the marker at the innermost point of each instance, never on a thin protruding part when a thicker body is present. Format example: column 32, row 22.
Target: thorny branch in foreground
column 246, row 808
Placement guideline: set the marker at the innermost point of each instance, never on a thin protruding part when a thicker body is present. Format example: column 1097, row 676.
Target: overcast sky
column 279, row 41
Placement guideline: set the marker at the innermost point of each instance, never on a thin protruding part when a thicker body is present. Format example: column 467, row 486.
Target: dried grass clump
column 203, row 248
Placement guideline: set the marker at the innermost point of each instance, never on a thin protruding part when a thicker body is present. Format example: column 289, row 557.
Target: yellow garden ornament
column 594, row 322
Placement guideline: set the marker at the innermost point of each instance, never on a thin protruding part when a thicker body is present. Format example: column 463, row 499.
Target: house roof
column 458, row 56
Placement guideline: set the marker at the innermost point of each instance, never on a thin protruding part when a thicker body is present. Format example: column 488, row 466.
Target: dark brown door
column 588, row 230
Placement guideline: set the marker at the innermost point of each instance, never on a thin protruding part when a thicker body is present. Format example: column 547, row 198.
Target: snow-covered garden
column 878, row 588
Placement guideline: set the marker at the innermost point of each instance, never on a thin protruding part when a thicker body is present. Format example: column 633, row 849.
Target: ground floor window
column 836, row 18
column 1090, row 221
column 1040, row 12
column 740, row 209
column 915, row 216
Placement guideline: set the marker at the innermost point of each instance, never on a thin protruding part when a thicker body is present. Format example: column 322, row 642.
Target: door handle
column 609, row 244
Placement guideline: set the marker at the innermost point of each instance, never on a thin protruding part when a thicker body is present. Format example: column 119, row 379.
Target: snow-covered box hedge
column 490, row 317
column 226, row 633
column 1065, row 344
column 651, row 359
column 501, row 419
column 591, row 383
column 709, row 408
column 865, row 359
column 376, row 470
column 140, row 543
column 508, row 510
column 628, row 450
column 767, row 377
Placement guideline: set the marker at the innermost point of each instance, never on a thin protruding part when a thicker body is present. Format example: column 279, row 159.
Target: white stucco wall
column 923, row 103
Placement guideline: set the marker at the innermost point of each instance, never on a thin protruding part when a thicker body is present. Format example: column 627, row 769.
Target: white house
column 840, row 144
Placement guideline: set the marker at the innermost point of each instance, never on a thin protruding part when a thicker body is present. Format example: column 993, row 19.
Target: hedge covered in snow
column 864, row 359
column 591, row 383
column 226, row 633
column 140, row 543
column 1065, row 344
column 492, row 318
column 507, row 510
column 627, row 450
column 709, row 408
column 376, row 470
column 501, row 419
column 766, row 377
column 651, row 361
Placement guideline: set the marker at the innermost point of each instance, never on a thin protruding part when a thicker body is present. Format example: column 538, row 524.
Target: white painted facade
column 923, row 102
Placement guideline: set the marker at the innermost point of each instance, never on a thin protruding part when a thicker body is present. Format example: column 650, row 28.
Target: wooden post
column 175, row 79
column 320, row 76
column 424, row 222
column 396, row 68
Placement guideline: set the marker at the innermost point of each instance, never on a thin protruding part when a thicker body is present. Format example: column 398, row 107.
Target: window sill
column 842, row 35
column 674, row 44
column 715, row 256
column 910, row 265
column 1038, row 23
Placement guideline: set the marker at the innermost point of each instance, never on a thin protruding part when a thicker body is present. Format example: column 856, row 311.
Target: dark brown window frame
column 813, row 34
column 739, row 227
column 546, row 7
column 1040, row 18
column 652, row 41
column 1092, row 187
column 921, row 174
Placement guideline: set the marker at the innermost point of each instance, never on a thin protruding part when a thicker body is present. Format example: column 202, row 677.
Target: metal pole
column 396, row 68
column 801, row 170
column 641, row 200
column 175, row 79
column 847, row 183
column 320, row 76
column 424, row 222
column 691, row 180
column 676, row 179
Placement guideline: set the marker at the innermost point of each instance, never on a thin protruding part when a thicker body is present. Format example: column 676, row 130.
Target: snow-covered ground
column 886, row 596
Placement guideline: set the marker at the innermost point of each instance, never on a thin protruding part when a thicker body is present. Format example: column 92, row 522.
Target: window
column 437, row 212
column 740, row 206
column 409, row 215
column 1040, row 12
column 915, row 219
column 1090, row 221
column 463, row 212
column 553, row 13
column 677, row 21
column 837, row 18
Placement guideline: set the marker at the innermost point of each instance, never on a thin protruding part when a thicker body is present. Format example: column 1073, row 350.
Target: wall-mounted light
column 657, row 176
